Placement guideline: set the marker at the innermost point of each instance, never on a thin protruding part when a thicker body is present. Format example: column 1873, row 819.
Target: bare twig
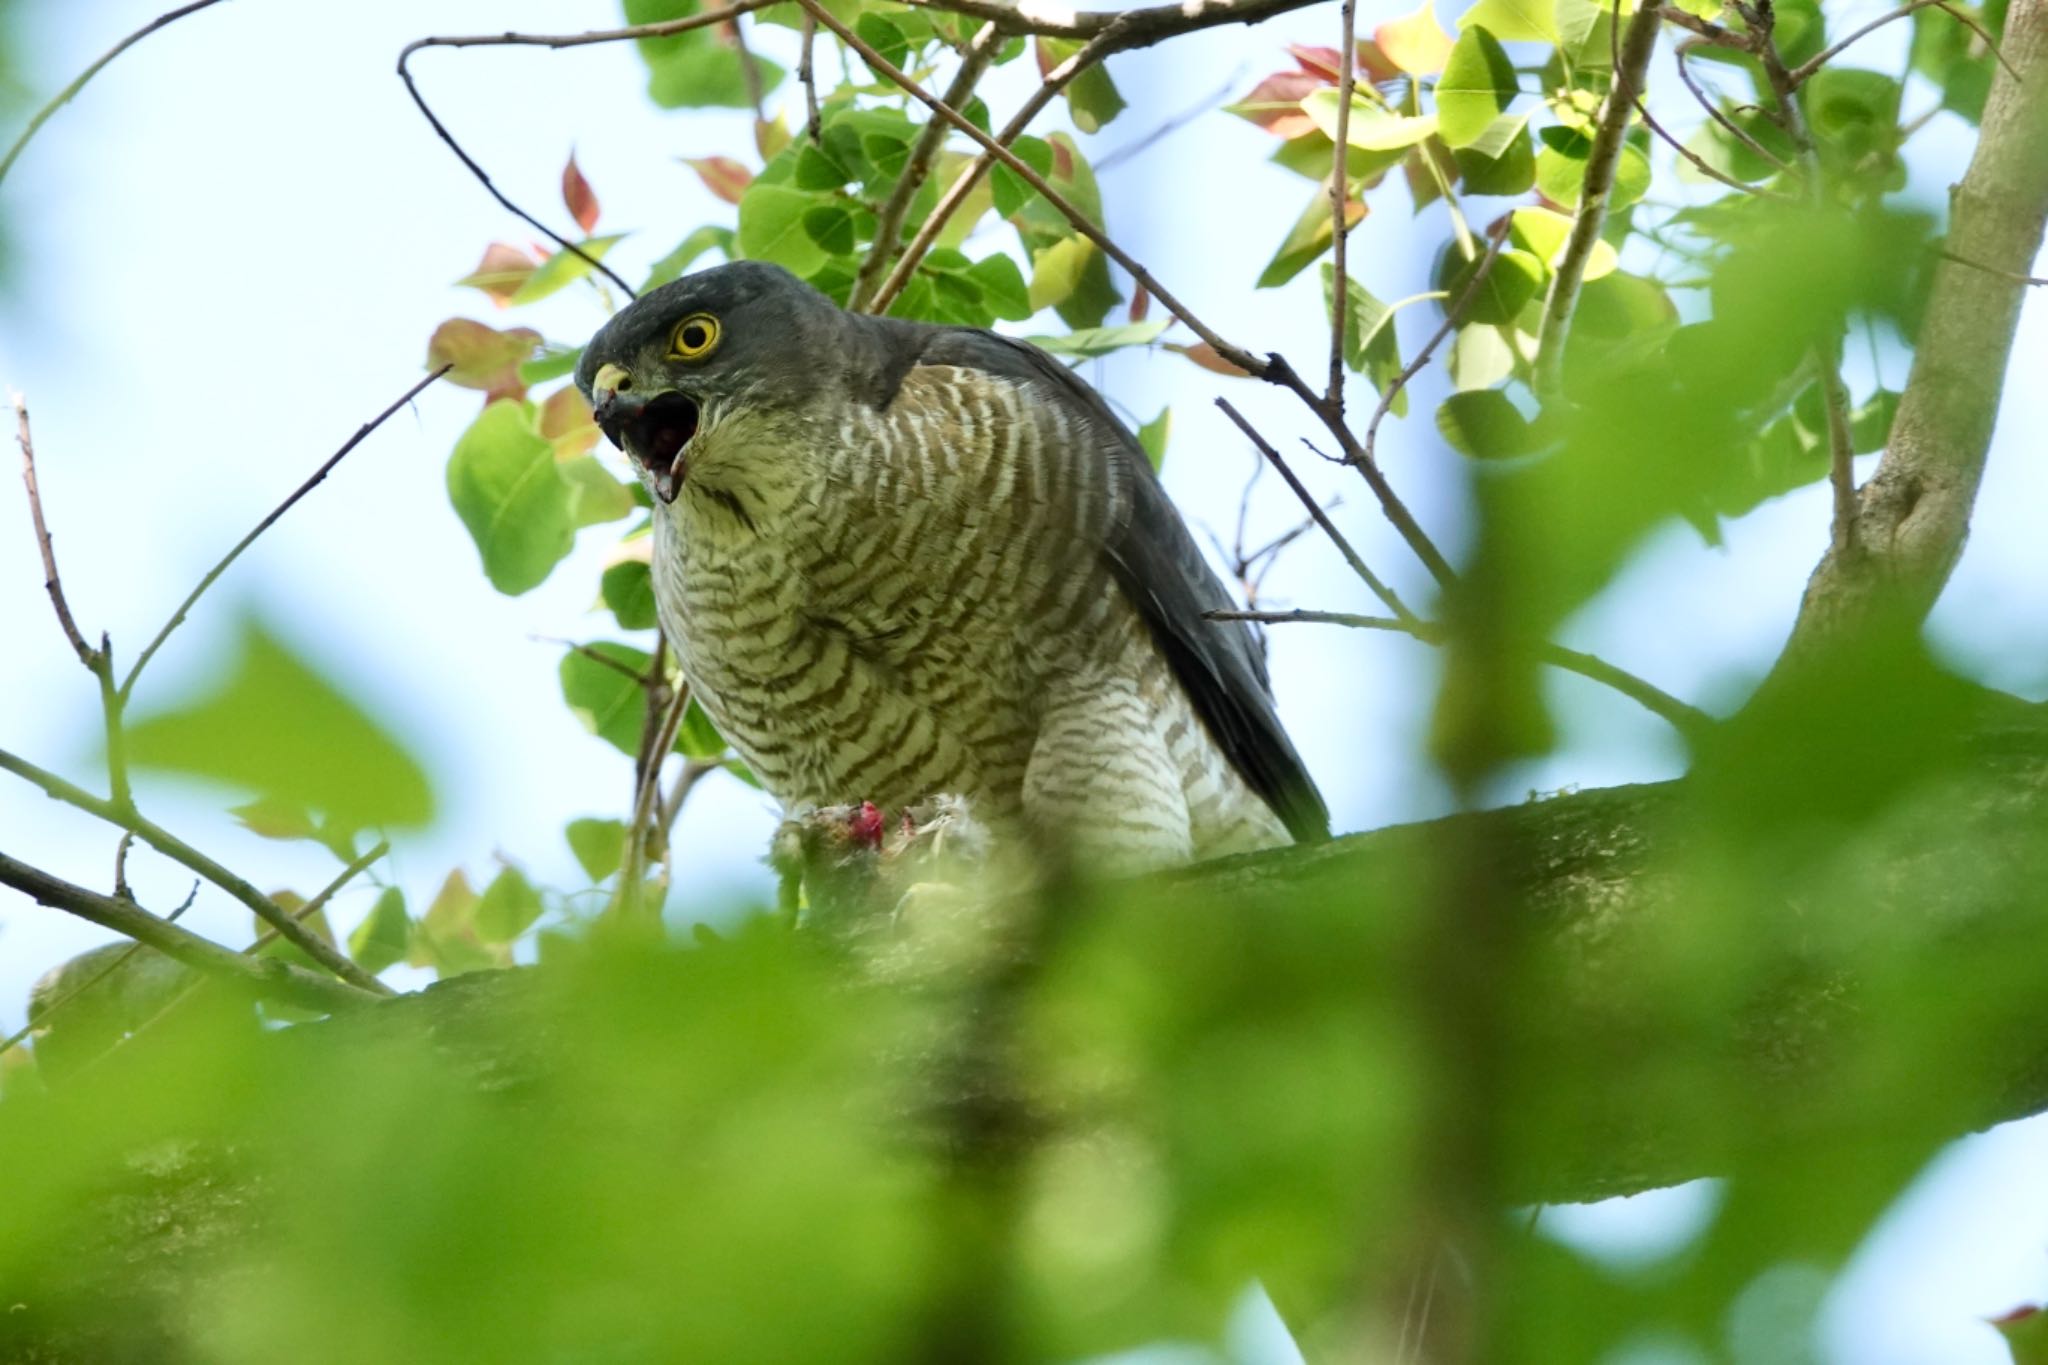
column 1148, row 25
column 595, row 656
column 121, row 888
column 727, row 14
column 1351, row 556
column 65, row 95
column 750, row 71
column 1698, row 162
column 807, row 77
column 1799, row 74
column 1453, row 315
column 2014, row 276
column 325, row 894
column 1236, row 355
column 1603, row 159
column 1340, row 203
column 314, row 481
column 963, row 184
column 1684, row 717
column 889, row 218
column 1714, row 111
column 1173, row 123
column 271, row 978
column 1712, row 32
column 163, row 841
column 52, row 583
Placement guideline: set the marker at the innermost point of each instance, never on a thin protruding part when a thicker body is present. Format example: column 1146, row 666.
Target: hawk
column 897, row 560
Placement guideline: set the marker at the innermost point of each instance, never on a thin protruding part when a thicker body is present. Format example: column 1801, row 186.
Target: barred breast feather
column 972, row 584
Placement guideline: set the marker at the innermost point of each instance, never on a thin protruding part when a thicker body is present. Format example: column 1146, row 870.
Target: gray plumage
column 897, row 559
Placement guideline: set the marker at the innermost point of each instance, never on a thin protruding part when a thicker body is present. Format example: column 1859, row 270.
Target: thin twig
column 326, row 468
column 1173, row 123
column 1799, row 74
column 963, row 184
column 889, row 218
column 52, row 583
column 750, row 71
column 595, row 656
column 171, row 846
column 1714, row 111
column 65, row 95
column 807, row 78
column 1993, row 270
column 1236, row 355
column 1150, row 25
column 326, row 894
column 1699, row 163
column 1603, row 160
column 1340, row 204
column 1453, row 315
column 1712, row 32
column 1351, row 556
column 272, row 978
column 729, row 13
column 1683, row 716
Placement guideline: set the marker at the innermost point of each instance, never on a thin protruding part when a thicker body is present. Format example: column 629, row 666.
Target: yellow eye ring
column 695, row 337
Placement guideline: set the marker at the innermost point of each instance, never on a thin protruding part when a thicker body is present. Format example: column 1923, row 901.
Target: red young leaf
column 565, row 421
column 1316, row 61
column 500, row 273
column 1062, row 159
column 483, row 357
column 1370, row 64
column 1203, row 354
column 581, row 199
column 1275, row 103
column 1141, row 303
column 721, row 175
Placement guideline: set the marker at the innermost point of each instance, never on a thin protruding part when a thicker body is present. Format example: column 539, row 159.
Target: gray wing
column 1157, row 564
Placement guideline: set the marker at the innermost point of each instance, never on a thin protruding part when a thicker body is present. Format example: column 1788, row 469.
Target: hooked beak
column 654, row 430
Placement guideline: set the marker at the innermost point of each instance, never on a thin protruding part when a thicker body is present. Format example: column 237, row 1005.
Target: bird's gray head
column 741, row 339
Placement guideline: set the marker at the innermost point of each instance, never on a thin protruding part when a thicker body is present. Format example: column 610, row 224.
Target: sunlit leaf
column 1095, row 341
column 1056, row 271
column 1153, row 435
column 1482, row 423
column 1275, row 103
column 509, row 490
column 1370, row 127
column 1545, row 234
column 703, row 239
column 564, row 268
column 772, row 227
column 565, row 423
column 1513, row 21
column 723, row 176
column 1478, row 84
column 595, row 496
column 1416, row 43
column 385, row 934
column 484, row 357
column 599, row 845
column 1561, row 170
column 271, row 724
column 508, row 907
column 1309, row 238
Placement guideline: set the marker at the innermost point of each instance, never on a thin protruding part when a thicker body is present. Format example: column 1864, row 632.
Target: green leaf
column 595, row 496
column 1561, row 170
column 1480, row 357
column 1512, row 21
column 772, row 228
column 384, row 935
column 599, row 846
column 1515, row 278
column 1370, row 127
column 611, row 704
column 700, row 72
column 1485, row 425
column 672, row 266
column 1094, row 341
column 1152, row 437
column 508, row 908
column 628, row 590
column 552, row 363
column 1510, row 170
column 1870, row 425
column 885, row 38
column 564, row 268
column 1478, row 84
column 1009, row 190
column 1092, row 97
column 272, row 725
column 1056, row 271
column 1371, row 346
column 697, row 737
column 1309, row 238
column 1002, row 287
column 509, row 491
column 1544, row 233
column 831, row 227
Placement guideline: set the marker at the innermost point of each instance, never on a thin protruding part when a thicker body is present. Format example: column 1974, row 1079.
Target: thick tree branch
column 1914, row 512
column 270, row 978
column 1145, row 26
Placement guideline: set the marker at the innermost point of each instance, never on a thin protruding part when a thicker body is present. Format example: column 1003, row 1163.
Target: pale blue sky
column 233, row 248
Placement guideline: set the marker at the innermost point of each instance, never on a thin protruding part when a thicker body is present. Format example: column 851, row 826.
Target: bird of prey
column 898, row 560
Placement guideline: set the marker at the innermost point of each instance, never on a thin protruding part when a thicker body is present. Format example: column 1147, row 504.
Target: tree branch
column 168, row 844
column 1914, row 513
column 52, row 582
column 889, row 219
column 1145, row 26
column 1603, row 160
column 64, row 96
column 318, row 476
column 1340, row 201
column 270, row 978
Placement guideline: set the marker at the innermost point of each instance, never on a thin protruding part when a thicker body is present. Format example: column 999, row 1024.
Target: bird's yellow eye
column 695, row 337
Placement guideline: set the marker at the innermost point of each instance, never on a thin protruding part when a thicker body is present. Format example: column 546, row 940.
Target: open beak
column 655, row 430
